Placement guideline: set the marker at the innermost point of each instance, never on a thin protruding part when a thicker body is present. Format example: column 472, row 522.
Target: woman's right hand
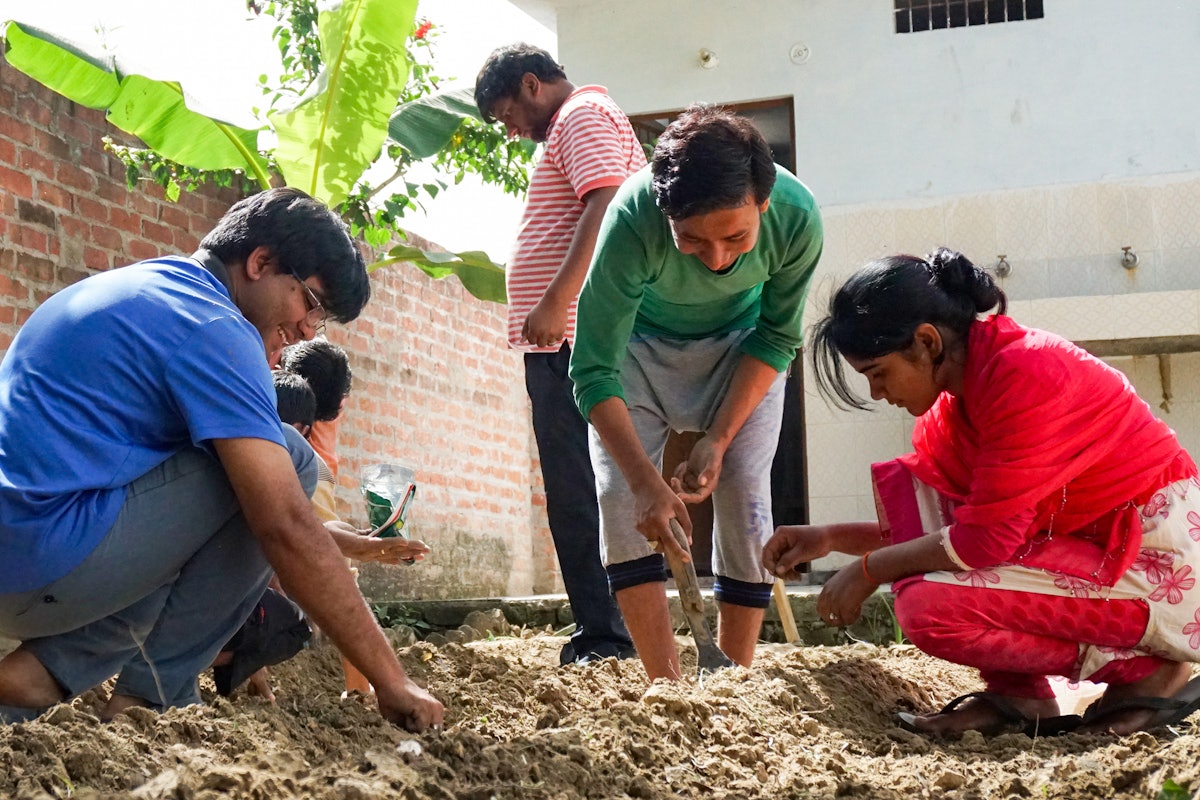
column 792, row 545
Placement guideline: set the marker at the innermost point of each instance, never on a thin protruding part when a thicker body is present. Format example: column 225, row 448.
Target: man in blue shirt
column 147, row 488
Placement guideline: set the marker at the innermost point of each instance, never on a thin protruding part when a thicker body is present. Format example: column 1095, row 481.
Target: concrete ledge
column 877, row 624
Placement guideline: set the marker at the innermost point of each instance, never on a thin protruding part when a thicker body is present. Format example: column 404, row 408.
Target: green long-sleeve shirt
column 639, row 284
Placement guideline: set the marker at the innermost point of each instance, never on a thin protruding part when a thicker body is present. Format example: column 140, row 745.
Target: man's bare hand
column 655, row 505
column 546, row 324
column 410, row 707
column 696, row 477
column 355, row 544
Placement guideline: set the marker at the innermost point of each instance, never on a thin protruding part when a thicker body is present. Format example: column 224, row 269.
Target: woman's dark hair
column 878, row 309
column 710, row 159
column 501, row 74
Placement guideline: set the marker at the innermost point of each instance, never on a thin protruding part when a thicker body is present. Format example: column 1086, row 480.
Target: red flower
column 978, row 578
column 1156, row 506
column 422, row 29
column 1192, row 631
column 1173, row 587
column 1194, row 531
column 1155, row 563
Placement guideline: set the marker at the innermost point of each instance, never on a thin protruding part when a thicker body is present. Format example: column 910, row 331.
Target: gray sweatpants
column 173, row 579
column 679, row 384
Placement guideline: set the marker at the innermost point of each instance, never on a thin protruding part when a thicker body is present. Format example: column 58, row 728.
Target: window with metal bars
column 913, row 16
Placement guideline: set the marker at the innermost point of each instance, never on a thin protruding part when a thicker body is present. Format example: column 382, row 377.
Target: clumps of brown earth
column 806, row 722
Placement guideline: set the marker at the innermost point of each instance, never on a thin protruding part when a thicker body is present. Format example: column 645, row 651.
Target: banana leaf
column 154, row 111
column 481, row 276
column 338, row 127
column 425, row 125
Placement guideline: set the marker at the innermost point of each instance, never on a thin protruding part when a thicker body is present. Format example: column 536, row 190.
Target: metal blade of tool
column 708, row 654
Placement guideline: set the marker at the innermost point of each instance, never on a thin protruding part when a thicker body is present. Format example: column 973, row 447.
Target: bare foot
column 25, row 683
column 119, row 703
column 978, row 714
column 1163, row 682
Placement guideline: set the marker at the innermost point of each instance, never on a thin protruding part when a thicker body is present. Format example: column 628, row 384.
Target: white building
column 1054, row 136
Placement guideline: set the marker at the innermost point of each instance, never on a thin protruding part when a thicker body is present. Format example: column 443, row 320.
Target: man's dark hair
column 326, row 369
column 305, row 237
column 501, row 74
column 294, row 398
column 710, row 159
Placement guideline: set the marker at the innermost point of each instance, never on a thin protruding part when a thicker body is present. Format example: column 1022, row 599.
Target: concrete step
column 552, row 611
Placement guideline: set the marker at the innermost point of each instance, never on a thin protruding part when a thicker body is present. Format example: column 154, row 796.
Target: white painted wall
column 1054, row 141
column 1097, row 90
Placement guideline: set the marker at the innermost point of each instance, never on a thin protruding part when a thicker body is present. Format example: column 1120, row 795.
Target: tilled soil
column 804, row 722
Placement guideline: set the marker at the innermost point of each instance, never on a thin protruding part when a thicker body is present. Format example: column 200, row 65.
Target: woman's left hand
column 840, row 602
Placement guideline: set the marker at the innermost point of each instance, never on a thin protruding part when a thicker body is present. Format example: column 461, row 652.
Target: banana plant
column 326, row 139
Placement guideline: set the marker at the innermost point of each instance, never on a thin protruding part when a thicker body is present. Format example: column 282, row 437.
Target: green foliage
column 1173, row 791
column 357, row 97
column 480, row 275
column 392, row 615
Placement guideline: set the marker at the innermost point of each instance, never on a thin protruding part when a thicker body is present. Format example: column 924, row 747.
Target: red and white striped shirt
column 591, row 145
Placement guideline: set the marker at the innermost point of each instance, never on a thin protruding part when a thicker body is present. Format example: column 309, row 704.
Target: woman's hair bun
column 955, row 275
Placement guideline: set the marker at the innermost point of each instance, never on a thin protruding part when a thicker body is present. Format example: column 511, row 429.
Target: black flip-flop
column 1168, row 710
column 1011, row 720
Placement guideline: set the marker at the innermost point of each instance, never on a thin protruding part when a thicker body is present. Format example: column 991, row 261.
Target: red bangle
column 866, row 573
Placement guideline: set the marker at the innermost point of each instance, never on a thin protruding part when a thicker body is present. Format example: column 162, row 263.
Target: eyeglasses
column 316, row 311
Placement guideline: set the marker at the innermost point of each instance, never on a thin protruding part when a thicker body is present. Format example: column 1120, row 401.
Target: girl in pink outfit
column 1046, row 523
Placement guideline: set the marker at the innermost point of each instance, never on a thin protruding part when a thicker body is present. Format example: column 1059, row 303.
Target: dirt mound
column 805, row 722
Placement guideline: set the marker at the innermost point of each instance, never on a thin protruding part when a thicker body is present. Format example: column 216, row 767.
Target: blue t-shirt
column 109, row 378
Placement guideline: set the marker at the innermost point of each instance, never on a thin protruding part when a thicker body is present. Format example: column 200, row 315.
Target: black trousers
column 562, row 438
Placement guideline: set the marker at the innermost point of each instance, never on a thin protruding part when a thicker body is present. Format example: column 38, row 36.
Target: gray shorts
column 679, row 384
column 173, row 579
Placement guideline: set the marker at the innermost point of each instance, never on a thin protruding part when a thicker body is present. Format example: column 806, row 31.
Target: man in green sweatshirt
column 688, row 321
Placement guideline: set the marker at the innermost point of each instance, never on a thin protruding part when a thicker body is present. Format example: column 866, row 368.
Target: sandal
column 1168, row 710
column 1010, row 719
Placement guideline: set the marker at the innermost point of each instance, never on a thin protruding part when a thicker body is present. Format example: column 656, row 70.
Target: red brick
column 107, row 237
column 73, row 227
column 185, row 242
column 55, row 147
column 35, row 267
column 140, row 250
column 13, row 128
column 15, row 183
column 115, row 193
column 67, row 275
column 32, row 161
column 6, row 340
column 125, row 220
column 171, row 214
column 55, row 196
column 99, row 162
column 88, row 207
column 28, row 237
column 12, row 289
column 96, row 259
column 75, row 177
column 156, row 233
column 8, row 152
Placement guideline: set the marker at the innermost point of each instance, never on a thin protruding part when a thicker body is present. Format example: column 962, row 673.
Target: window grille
column 913, row 16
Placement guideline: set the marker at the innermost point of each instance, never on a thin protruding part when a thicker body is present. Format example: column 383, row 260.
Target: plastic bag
column 389, row 490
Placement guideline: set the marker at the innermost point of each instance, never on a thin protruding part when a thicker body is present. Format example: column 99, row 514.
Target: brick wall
column 434, row 387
